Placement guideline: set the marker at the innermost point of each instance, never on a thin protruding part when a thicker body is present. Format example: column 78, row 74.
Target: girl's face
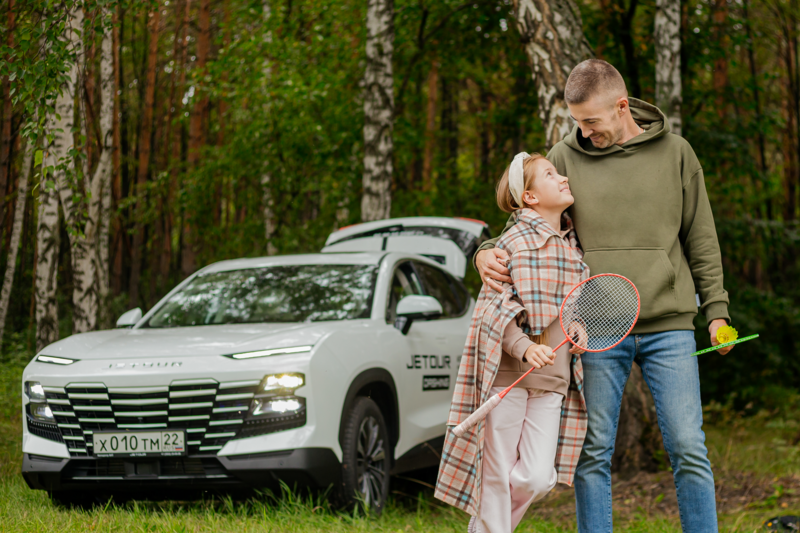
column 550, row 189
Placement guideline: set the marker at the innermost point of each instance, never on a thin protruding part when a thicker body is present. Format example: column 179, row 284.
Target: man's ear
column 623, row 106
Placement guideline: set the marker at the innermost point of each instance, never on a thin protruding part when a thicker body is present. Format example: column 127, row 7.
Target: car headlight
column 34, row 391
column 38, row 408
column 275, row 406
column 268, row 353
column 280, row 406
column 41, row 413
column 55, row 360
column 275, row 382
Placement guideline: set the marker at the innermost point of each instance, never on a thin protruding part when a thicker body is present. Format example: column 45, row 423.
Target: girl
column 532, row 440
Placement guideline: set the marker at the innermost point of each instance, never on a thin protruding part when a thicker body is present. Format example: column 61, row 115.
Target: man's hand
column 577, row 332
column 712, row 328
column 539, row 355
column 491, row 269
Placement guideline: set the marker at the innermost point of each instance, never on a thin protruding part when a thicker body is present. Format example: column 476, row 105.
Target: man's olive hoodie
column 641, row 210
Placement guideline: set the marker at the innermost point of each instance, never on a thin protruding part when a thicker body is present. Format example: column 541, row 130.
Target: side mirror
column 129, row 318
column 416, row 307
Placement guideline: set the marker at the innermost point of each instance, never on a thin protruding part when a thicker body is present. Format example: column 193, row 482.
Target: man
column 641, row 211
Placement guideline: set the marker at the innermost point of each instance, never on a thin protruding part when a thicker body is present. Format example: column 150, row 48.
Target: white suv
column 323, row 369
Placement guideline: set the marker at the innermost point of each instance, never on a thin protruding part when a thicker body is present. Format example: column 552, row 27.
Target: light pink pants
column 519, row 456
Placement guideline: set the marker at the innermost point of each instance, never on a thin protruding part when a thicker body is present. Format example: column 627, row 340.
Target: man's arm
column 490, row 262
column 488, row 244
column 701, row 248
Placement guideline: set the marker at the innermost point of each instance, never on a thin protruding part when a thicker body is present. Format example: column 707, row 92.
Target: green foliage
column 284, row 92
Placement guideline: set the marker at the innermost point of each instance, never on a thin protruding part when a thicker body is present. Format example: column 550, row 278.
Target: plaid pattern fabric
column 544, row 269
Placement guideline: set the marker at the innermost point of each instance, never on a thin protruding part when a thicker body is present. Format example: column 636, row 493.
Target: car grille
column 210, row 412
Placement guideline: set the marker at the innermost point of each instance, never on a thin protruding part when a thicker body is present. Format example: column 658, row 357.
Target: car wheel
column 366, row 457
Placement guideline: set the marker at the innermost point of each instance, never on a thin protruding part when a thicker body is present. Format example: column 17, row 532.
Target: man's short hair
column 591, row 78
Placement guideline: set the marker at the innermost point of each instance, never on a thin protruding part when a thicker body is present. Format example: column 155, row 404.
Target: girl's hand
column 576, row 350
column 539, row 355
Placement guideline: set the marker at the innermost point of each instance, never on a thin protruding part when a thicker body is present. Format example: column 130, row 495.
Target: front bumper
column 302, row 467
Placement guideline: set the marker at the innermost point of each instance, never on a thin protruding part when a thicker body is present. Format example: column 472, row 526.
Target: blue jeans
column 673, row 378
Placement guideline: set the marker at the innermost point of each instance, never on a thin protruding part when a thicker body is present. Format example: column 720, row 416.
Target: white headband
column 516, row 178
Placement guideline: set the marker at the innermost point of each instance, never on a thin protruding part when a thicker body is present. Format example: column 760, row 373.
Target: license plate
column 138, row 443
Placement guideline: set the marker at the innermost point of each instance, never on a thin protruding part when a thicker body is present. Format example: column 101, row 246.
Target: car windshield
column 291, row 293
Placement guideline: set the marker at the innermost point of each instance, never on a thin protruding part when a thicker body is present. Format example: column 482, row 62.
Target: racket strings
column 600, row 312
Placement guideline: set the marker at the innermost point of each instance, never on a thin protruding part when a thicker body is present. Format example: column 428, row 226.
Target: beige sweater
column 553, row 378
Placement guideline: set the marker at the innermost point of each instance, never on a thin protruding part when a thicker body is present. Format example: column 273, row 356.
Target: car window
column 291, row 293
column 404, row 283
column 436, row 284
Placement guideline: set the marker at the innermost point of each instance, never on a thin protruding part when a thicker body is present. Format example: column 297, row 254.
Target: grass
column 756, row 463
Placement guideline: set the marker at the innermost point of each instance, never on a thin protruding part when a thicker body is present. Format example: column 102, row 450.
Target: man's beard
column 608, row 139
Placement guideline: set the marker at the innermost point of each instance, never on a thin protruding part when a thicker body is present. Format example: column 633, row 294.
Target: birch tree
column 97, row 226
column 667, row 39
column 376, row 202
column 58, row 160
column 82, row 249
column 552, row 33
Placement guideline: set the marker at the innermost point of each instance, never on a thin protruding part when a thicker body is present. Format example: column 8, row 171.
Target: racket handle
column 477, row 416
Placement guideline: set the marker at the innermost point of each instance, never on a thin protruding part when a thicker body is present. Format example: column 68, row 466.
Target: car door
column 422, row 341
column 430, row 373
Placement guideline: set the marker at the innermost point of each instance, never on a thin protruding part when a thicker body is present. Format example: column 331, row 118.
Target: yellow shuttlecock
column 727, row 334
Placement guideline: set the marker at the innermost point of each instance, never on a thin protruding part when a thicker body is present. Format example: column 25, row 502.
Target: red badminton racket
column 597, row 314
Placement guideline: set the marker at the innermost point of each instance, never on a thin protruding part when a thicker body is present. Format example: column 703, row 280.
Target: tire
column 366, row 457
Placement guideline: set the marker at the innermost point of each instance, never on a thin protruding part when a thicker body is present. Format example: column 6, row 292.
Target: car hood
column 187, row 341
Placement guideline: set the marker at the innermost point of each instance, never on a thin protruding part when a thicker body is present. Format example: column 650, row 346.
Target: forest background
column 235, row 128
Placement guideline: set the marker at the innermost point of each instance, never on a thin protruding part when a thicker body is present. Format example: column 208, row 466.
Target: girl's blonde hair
column 505, row 200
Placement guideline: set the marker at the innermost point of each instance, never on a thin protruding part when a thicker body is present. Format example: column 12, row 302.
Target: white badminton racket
column 597, row 314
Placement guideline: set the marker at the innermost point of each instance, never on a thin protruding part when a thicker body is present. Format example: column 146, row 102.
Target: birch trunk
column 552, row 34
column 82, row 247
column 376, row 202
column 667, row 37
column 100, row 207
column 47, row 244
column 16, row 233
column 59, row 125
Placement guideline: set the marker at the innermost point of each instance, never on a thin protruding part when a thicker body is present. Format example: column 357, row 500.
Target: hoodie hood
column 649, row 117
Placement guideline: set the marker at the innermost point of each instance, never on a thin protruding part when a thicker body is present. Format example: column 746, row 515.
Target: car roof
column 360, row 258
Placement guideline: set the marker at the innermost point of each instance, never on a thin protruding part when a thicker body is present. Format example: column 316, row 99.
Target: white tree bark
column 59, row 125
column 97, row 226
column 667, row 37
column 552, row 33
column 16, row 233
column 376, row 202
column 82, row 247
column 47, row 244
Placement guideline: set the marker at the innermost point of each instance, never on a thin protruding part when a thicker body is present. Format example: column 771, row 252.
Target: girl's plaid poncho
column 544, row 267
